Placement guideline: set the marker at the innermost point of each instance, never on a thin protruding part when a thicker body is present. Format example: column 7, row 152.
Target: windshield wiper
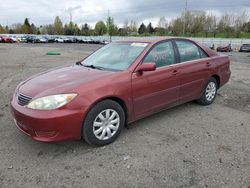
column 93, row 67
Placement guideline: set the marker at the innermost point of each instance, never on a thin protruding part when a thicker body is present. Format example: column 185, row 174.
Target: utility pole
column 185, row 19
column 70, row 21
column 108, row 27
column 70, row 16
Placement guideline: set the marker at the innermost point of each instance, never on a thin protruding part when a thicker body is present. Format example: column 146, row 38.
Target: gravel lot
column 186, row 146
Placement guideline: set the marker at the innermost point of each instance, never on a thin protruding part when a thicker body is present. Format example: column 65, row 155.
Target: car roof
column 147, row 39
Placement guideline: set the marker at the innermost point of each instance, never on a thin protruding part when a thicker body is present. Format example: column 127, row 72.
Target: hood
column 60, row 80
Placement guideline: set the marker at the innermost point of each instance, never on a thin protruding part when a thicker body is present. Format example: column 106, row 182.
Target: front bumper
column 48, row 125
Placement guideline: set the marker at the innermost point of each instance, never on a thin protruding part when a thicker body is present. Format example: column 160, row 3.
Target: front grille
column 23, row 99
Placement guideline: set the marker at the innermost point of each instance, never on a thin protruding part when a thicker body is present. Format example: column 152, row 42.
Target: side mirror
column 146, row 67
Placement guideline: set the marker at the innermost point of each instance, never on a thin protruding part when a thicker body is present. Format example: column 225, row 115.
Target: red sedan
column 116, row 85
column 5, row 39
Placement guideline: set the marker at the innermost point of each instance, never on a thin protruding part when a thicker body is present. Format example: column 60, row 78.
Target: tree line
column 189, row 23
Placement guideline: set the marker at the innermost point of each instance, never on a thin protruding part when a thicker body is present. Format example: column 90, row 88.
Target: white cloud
column 89, row 11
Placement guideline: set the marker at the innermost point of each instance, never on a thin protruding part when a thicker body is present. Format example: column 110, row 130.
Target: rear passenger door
column 194, row 68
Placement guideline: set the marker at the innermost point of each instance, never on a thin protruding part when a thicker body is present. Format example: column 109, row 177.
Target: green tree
column 33, row 29
column 177, row 27
column 150, row 28
column 111, row 27
column 142, row 29
column 26, row 22
column 2, row 30
column 71, row 29
column 100, row 28
column 58, row 25
column 85, row 30
column 246, row 26
column 26, row 29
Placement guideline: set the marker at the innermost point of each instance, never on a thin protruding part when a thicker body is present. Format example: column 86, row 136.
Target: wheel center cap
column 105, row 123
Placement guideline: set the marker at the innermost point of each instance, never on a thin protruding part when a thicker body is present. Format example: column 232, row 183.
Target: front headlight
column 51, row 102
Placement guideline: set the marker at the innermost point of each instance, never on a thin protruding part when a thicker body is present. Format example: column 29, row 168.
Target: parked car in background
column 5, row 39
column 118, row 84
column 1, row 39
column 224, row 48
column 30, row 39
column 245, row 48
column 104, row 42
column 40, row 39
column 23, row 38
column 59, row 40
column 210, row 45
column 14, row 38
column 50, row 39
column 70, row 40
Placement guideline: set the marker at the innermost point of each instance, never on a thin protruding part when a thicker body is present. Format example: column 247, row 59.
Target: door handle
column 175, row 72
column 208, row 64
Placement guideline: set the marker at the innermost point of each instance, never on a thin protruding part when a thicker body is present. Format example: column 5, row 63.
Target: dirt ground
column 186, row 146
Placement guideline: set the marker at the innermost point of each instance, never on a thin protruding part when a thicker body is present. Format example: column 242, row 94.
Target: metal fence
column 235, row 42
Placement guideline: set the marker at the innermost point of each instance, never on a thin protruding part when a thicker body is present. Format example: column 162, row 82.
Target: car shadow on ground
column 80, row 147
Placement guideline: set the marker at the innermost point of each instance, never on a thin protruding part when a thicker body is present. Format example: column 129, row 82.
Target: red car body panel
column 139, row 94
column 6, row 39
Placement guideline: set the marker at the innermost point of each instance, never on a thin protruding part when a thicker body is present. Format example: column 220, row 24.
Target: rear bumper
column 244, row 50
column 48, row 126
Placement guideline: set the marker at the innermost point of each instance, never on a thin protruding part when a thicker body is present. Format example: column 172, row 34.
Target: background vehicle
column 59, row 40
column 245, row 48
column 96, row 98
column 224, row 48
column 5, row 39
column 50, row 39
column 210, row 45
column 30, row 39
column 40, row 40
column 14, row 38
column 69, row 40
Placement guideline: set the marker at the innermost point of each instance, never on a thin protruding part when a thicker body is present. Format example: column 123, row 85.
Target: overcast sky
column 42, row 12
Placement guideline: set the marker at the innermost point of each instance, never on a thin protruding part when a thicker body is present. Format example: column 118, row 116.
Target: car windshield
column 115, row 56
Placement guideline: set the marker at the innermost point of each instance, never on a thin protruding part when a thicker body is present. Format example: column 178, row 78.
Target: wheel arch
column 217, row 78
column 120, row 101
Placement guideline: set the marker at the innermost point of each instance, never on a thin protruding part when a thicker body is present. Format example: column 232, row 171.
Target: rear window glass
column 189, row 51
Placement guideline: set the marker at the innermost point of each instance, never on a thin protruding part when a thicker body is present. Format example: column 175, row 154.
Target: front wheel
column 103, row 123
column 209, row 92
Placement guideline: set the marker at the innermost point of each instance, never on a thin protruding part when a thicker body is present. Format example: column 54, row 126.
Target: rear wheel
column 209, row 93
column 103, row 123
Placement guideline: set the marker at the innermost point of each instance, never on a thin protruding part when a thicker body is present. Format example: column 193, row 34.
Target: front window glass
column 162, row 55
column 115, row 56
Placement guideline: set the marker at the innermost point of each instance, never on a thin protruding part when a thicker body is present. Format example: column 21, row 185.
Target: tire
column 105, row 131
column 212, row 87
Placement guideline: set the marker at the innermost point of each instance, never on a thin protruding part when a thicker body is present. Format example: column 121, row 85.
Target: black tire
column 88, row 131
column 204, row 100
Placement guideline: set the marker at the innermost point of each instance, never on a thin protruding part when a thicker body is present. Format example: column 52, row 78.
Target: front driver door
column 155, row 90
